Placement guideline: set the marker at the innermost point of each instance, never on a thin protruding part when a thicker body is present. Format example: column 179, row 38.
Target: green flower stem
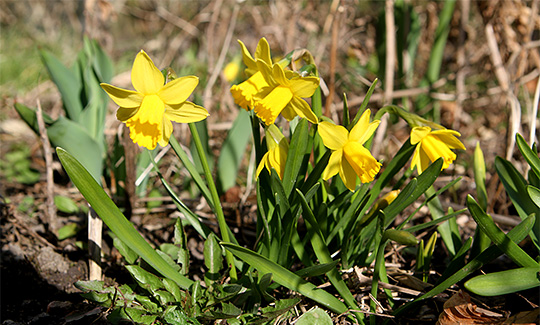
column 218, row 210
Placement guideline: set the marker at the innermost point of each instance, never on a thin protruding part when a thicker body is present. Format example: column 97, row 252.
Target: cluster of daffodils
column 270, row 90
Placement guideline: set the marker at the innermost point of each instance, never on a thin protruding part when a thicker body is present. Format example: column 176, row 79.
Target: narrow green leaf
column 125, row 251
column 516, row 187
column 232, row 151
column 530, row 156
column 297, row 149
column 498, row 237
column 29, row 116
column 504, row 282
column 323, row 254
column 517, row 234
column 113, row 218
column 67, row 84
column 316, row 270
column 193, row 171
column 534, row 193
column 364, row 104
column 287, row 278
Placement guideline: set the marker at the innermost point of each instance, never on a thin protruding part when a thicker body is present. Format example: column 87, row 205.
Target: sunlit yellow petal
column 303, row 110
column 435, row 148
column 449, row 138
column 347, row 174
column 167, row 131
column 267, row 73
column 186, row 112
column 123, row 114
column 363, row 129
column 361, row 160
column 279, row 75
column 333, row 136
column 145, row 77
column 334, row 164
column 262, row 163
column 418, row 133
column 249, row 61
column 151, row 111
column 263, row 51
column 178, row 90
column 243, row 93
column 122, row 97
column 268, row 108
column 304, row 87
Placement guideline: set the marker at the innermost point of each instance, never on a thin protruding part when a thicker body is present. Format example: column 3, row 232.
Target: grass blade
column 498, row 237
column 286, row 278
column 516, row 235
column 116, row 221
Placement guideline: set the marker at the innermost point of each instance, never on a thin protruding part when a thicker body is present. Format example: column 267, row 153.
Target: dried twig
column 462, row 62
column 333, row 57
column 505, row 83
column 389, row 73
column 219, row 65
column 47, row 152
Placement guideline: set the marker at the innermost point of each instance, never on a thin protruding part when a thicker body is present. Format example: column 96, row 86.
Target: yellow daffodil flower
column 349, row 156
column 276, row 156
column 284, row 94
column 149, row 110
column 432, row 145
column 243, row 93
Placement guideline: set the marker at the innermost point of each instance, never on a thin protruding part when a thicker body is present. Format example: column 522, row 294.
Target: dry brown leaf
column 459, row 310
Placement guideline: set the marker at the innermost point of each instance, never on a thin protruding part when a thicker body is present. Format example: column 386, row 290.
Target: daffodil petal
column 186, row 112
column 266, row 71
column 304, row 86
column 123, row 114
column 167, row 131
column 279, row 75
column 268, row 108
column 249, row 61
column 435, row 148
column 449, row 138
column 151, row 111
column 262, row 164
column 263, row 51
column 333, row 136
column 145, row 76
column 418, row 133
column 347, row 174
column 122, row 97
column 361, row 160
column 333, row 166
column 178, row 90
column 303, row 110
column 363, row 130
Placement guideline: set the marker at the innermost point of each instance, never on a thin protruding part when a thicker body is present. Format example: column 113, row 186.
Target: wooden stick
column 47, row 153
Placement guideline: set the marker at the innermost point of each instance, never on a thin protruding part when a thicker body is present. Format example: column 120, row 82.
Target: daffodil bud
column 401, row 237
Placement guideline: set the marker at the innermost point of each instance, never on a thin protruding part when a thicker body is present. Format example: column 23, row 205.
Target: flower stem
column 218, row 210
